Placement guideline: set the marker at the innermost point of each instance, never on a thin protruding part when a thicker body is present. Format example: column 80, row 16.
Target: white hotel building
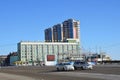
column 32, row 53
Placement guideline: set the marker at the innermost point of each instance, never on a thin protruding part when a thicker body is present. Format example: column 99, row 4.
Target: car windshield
column 80, row 62
column 66, row 63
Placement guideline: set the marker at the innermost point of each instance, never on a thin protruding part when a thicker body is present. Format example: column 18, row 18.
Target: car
column 82, row 65
column 64, row 66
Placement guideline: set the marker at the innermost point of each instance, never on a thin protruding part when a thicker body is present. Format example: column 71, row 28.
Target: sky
column 26, row 20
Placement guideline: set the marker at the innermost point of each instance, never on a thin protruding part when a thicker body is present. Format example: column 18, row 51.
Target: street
column 99, row 72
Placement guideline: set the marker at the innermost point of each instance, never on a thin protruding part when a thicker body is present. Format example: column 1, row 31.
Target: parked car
column 64, row 66
column 82, row 65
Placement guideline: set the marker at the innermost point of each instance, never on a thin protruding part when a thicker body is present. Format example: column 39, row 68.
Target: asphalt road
column 100, row 72
column 5, row 76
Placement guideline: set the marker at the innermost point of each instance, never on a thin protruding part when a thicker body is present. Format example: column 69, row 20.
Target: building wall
column 48, row 35
column 36, row 51
column 76, row 29
column 13, row 59
column 57, row 33
column 71, row 29
column 2, row 59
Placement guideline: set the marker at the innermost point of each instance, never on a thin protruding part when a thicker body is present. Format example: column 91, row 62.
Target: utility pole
column 101, row 55
column 96, row 50
column 90, row 55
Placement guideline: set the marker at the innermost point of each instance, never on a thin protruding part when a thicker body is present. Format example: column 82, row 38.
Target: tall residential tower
column 48, row 35
column 57, row 33
column 69, row 29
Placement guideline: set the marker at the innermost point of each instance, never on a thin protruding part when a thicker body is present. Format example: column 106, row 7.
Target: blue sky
column 26, row 20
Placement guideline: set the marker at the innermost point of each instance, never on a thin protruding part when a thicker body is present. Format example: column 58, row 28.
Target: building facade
column 48, row 35
column 13, row 58
column 69, row 29
column 2, row 60
column 32, row 53
column 57, row 33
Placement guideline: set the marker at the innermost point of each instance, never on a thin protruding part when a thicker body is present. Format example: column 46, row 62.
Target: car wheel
column 82, row 68
column 63, row 69
column 58, row 69
column 75, row 68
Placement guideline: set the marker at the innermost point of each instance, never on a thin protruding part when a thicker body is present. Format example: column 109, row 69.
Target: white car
column 64, row 66
column 82, row 65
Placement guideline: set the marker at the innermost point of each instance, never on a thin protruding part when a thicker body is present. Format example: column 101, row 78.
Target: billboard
column 50, row 57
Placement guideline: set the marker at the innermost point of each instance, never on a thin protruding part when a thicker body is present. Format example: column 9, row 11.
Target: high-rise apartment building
column 57, row 33
column 69, row 29
column 48, row 35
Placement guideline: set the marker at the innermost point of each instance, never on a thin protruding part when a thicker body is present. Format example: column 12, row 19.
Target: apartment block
column 69, row 29
column 57, row 33
column 32, row 53
column 48, row 35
